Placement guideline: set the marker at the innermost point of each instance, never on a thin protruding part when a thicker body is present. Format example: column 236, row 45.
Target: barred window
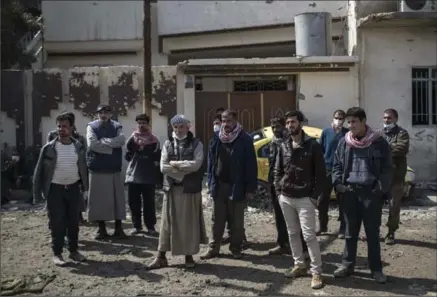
column 424, row 96
column 260, row 85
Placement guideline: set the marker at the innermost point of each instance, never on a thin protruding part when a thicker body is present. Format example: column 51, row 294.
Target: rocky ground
column 117, row 268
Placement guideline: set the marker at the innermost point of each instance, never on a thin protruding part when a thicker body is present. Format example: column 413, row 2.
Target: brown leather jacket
column 300, row 172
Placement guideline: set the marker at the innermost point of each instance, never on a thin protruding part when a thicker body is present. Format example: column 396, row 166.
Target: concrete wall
column 91, row 30
column 178, row 17
column 321, row 93
column 386, row 83
column 92, row 20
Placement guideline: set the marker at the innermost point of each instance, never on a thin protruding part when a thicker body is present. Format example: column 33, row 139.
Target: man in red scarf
column 362, row 174
column 142, row 174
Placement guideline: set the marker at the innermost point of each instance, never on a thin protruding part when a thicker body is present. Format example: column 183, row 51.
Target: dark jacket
column 192, row 182
column 380, row 164
column 45, row 168
column 143, row 167
column 300, row 172
column 54, row 133
column 104, row 163
column 329, row 141
column 273, row 153
column 399, row 142
column 244, row 174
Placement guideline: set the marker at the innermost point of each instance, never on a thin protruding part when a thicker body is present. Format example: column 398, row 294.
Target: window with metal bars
column 424, row 96
column 260, row 85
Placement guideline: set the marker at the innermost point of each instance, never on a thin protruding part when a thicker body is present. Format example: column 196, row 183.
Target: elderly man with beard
column 232, row 179
column 399, row 142
column 299, row 178
column 104, row 159
column 362, row 173
column 143, row 154
column 182, row 226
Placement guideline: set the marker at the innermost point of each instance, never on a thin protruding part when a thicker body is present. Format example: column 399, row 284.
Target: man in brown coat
column 399, row 141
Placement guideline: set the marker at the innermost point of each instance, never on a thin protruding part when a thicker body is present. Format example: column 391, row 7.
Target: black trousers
column 281, row 226
column 141, row 199
column 224, row 208
column 360, row 205
column 323, row 206
column 63, row 204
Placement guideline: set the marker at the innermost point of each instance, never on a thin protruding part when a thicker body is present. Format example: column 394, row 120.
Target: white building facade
column 386, row 64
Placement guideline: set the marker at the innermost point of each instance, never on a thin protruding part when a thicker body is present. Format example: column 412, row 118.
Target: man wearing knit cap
column 182, row 226
column 104, row 159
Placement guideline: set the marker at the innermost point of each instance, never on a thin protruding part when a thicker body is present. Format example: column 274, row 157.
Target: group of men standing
column 363, row 166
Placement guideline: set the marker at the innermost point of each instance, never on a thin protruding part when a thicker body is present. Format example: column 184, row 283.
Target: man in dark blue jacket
column 329, row 140
column 232, row 179
column 362, row 172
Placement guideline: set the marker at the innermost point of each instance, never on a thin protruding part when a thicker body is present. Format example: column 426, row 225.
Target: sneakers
column 58, row 260
column 152, row 232
column 343, row 271
column 379, row 277
column 209, row 255
column 296, row 271
column 77, row 257
column 390, row 239
column 158, row 263
column 237, row 255
column 136, row 231
column 316, row 282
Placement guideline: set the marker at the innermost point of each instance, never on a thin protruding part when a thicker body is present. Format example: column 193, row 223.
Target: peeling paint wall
column 81, row 90
column 386, row 83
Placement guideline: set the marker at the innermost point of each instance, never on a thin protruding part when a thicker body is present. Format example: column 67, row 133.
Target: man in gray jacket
column 59, row 175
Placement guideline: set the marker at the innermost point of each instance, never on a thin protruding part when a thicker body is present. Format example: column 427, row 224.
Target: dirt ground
column 116, row 268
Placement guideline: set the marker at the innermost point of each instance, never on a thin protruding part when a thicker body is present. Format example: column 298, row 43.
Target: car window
column 264, row 151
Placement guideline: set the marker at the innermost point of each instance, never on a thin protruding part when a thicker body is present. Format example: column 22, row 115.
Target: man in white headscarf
column 182, row 226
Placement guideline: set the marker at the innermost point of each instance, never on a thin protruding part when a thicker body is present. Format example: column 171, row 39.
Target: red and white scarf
column 364, row 142
column 144, row 138
column 226, row 137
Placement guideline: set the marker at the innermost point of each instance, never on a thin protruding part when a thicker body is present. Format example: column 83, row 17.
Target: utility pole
column 147, row 69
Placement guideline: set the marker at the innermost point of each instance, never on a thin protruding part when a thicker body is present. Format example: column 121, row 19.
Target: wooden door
column 206, row 105
column 248, row 108
column 277, row 103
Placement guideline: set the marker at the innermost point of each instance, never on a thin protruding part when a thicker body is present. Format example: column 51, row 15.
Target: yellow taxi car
column 262, row 139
